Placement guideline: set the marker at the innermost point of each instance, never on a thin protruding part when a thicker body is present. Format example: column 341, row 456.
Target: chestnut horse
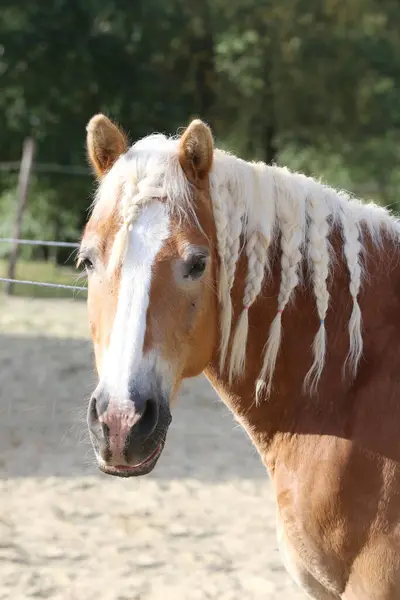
column 285, row 294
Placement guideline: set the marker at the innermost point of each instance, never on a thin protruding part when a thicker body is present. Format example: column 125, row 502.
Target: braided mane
column 254, row 203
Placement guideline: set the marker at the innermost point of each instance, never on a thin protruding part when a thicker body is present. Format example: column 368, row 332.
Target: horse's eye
column 86, row 263
column 195, row 267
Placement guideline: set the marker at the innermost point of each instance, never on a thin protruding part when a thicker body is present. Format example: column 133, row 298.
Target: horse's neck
column 339, row 400
column 264, row 421
column 288, row 410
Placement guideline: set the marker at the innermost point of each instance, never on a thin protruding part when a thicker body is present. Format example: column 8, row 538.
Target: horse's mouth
column 142, row 468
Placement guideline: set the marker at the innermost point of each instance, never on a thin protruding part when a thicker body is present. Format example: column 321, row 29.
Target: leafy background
column 313, row 84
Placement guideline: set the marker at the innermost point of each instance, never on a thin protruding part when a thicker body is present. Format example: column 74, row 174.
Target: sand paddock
column 201, row 526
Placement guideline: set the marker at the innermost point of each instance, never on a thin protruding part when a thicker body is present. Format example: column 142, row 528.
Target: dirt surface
column 201, row 526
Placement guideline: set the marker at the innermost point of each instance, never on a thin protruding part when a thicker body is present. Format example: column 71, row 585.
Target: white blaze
column 124, row 357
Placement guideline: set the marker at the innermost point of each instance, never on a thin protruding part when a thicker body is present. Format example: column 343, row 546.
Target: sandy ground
column 201, row 526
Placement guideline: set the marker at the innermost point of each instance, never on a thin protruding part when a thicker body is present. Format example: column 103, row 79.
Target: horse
column 285, row 293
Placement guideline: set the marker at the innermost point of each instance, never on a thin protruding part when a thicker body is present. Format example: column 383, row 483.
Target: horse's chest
column 307, row 563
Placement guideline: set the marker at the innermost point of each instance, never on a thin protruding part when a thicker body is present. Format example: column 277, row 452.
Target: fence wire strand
column 39, row 243
column 75, row 288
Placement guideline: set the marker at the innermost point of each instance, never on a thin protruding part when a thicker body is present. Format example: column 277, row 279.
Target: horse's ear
column 105, row 143
column 196, row 151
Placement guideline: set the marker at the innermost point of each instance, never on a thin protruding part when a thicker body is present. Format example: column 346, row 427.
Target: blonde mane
column 253, row 204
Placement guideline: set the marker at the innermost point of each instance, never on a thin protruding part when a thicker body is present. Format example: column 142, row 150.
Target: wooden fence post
column 22, row 198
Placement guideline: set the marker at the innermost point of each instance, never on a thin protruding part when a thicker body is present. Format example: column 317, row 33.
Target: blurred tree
column 316, row 72
column 294, row 78
column 64, row 60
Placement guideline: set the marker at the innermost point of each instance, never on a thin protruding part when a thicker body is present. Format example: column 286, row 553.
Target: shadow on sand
column 45, row 383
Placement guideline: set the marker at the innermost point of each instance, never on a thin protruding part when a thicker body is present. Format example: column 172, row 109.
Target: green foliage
column 51, row 214
column 48, row 272
column 321, row 73
column 313, row 83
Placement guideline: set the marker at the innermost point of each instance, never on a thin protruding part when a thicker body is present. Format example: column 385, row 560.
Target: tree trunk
column 205, row 67
column 22, row 198
column 270, row 147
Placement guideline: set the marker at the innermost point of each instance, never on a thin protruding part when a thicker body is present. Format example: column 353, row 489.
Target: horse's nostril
column 146, row 424
column 93, row 417
column 106, row 430
column 142, row 429
column 149, row 416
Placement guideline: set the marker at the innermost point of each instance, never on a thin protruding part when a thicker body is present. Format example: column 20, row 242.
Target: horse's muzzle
column 128, row 436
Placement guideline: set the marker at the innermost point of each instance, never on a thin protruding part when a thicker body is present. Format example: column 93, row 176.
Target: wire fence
column 75, row 288
column 39, row 243
column 61, row 286
column 24, row 168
